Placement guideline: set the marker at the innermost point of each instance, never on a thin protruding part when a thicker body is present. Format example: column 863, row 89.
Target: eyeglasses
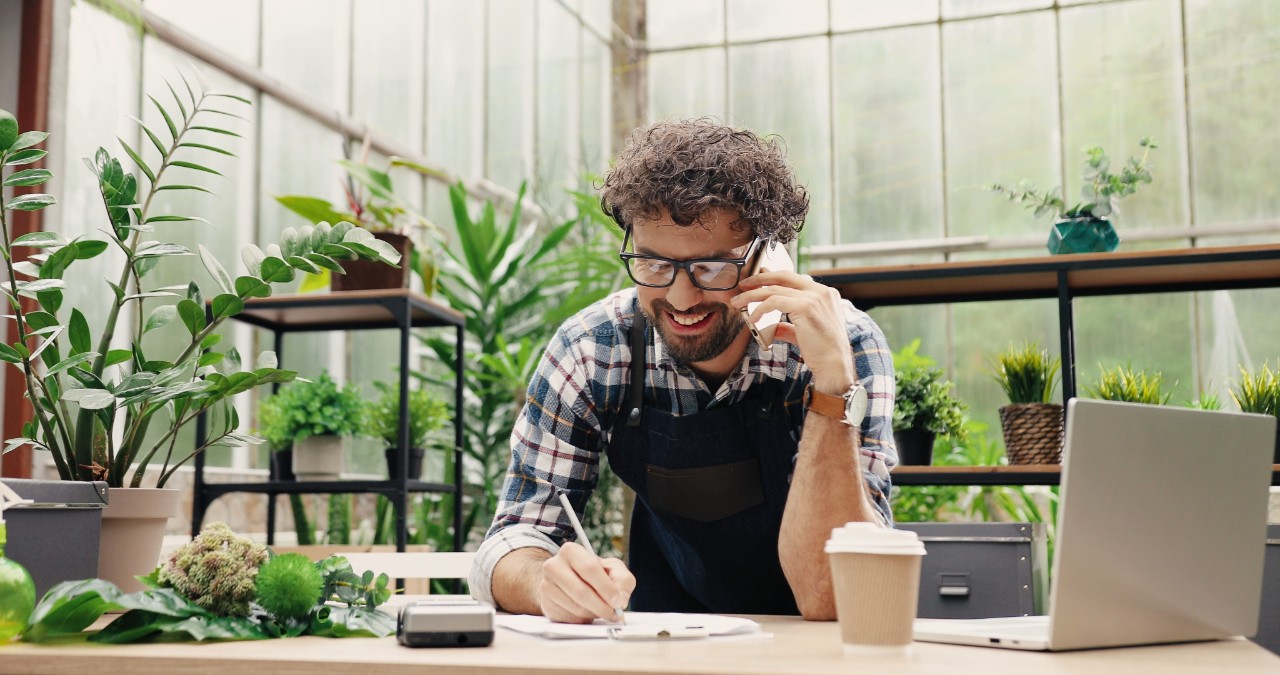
column 709, row 274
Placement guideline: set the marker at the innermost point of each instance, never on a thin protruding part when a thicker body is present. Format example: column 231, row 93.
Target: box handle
column 953, row 584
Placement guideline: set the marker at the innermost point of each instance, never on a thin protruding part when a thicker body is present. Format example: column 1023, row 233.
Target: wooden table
column 798, row 647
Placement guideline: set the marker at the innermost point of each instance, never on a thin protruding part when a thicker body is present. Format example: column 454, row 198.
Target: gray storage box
column 1269, row 619
column 981, row 570
column 56, row 537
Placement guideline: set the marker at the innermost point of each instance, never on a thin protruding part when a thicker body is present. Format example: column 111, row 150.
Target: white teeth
column 688, row 320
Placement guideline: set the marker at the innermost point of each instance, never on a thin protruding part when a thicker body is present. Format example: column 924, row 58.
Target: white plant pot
column 133, row 527
column 319, row 458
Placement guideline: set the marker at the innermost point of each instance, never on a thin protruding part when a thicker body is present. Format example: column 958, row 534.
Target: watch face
column 855, row 405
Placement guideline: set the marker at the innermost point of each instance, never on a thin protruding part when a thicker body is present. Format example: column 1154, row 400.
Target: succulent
column 215, row 570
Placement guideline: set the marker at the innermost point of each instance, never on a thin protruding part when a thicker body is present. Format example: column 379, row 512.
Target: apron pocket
column 708, row 493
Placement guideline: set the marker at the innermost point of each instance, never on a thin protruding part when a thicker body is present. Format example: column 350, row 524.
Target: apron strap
column 639, row 327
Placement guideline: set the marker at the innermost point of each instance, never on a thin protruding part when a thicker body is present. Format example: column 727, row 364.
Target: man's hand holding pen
column 577, row 586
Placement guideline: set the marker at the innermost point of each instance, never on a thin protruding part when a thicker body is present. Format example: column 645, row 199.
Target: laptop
column 1162, row 531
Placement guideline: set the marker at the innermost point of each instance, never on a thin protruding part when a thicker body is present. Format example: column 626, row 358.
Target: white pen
column 582, row 536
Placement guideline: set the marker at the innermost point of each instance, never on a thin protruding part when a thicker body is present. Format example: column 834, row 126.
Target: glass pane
column 1117, row 90
column 231, row 26
column 679, row 23
column 764, row 19
column 978, row 339
column 954, row 9
column 599, row 16
column 1232, row 71
column 1237, row 329
column 888, row 135
column 509, row 107
column 455, row 86
column 387, row 60
column 559, row 82
column 1108, row 335
column 1001, row 119
column 795, row 105
column 687, row 84
column 102, row 91
column 305, row 43
column 857, row 14
column 596, row 87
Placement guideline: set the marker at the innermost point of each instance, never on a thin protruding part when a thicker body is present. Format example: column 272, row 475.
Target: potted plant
column 1085, row 227
column 372, row 204
column 1259, row 392
column 924, row 407
column 382, row 421
column 1032, row 423
column 1123, row 383
column 107, row 408
column 313, row 415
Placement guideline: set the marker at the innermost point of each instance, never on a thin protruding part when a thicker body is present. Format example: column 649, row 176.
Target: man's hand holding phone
column 773, row 257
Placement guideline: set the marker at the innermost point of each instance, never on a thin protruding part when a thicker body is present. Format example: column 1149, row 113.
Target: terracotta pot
column 364, row 275
column 133, row 527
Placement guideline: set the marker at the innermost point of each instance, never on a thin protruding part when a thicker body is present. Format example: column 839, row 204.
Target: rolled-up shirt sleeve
column 554, row 445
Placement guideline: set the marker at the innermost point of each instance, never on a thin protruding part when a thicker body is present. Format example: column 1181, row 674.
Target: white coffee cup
column 875, row 575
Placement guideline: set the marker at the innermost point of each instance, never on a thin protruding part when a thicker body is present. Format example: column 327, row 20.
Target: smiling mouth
column 689, row 322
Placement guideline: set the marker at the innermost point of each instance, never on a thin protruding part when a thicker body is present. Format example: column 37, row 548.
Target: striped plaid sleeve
column 874, row 363
column 554, row 444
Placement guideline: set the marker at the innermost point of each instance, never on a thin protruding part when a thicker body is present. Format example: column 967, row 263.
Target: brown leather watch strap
column 824, row 404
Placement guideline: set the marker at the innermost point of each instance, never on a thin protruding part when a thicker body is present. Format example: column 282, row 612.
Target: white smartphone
column 773, row 258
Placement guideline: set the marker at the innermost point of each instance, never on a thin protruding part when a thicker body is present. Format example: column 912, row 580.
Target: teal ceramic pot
column 1083, row 235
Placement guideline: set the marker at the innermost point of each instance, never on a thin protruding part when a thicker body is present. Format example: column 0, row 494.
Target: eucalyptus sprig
column 1027, row 374
column 93, row 404
column 1123, row 383
column 1101, row 192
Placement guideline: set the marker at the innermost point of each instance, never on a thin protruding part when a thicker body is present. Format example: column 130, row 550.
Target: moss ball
column 289, row 585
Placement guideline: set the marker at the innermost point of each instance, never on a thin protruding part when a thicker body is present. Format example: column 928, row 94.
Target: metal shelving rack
column 1064, row 277
column 400, row 309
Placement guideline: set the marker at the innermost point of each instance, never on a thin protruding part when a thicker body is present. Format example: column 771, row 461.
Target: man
column 742, row 458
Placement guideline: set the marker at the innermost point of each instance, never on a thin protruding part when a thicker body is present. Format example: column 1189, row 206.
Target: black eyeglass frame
column 686, row 265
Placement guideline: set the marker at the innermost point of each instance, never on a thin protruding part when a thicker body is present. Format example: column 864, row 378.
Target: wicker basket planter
column 1032, row 432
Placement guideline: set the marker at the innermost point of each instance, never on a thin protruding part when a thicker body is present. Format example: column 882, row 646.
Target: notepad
column 639, row 626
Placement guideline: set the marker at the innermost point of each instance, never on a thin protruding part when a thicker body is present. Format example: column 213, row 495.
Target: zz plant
column 96, row 399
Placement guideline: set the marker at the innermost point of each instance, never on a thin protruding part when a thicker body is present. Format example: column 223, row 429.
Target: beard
column 723, row 330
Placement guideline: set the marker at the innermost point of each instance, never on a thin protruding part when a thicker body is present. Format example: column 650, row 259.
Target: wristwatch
column 849, row 407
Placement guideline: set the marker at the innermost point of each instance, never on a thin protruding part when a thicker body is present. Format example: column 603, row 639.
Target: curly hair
column 686, row 167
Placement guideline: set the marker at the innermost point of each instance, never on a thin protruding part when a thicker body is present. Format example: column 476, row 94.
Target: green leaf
column 25, row 157
column 210, row 340
column 173, row 129
column 70, row 607
column 40, row 240
column 217, row 131
column 210, row 358
column 78, row 332
column 137, row 159
column 30, row 202
column 90, row 399
column 196, row 167
column 301, row 263
column 9, row 354
column 226, row 304
column 8, row 130
column 71, row 362
column 216, row 270
column 118, row 356
column 177, row 99
column 155, row 140
column 138, row 624
column 155, row 249
column 50, row 300
column 252, row 287
column 275, row 270
column 31, row 138
column 232, row 97
column 175, row 219
column 352, row 622
column 210, row 148
column 314, row 209
column 28, row 177
column 192, row 315
column 185, row 187
column 160, row 317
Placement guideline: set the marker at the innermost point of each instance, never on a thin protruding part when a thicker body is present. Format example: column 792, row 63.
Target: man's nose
column 682, row 293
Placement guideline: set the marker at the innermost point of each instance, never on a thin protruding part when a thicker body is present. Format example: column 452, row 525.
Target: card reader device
column 446, row 621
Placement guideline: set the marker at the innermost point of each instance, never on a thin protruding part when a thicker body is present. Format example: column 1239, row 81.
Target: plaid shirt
column 581, row 386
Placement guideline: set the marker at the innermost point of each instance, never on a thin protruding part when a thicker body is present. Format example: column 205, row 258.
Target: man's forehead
column 716, row 228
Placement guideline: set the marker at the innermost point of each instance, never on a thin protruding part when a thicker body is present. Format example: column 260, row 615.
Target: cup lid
column 871, row 538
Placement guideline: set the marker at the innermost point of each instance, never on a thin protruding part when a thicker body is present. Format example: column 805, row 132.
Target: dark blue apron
column 710, row 491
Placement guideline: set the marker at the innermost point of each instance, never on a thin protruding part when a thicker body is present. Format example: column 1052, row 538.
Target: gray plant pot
column 319, row 458
column 57, row 537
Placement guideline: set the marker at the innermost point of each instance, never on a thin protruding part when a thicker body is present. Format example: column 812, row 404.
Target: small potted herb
column 1032, row 423
column 1085, row 227
column 1123, row 383
column 382, row 421
column 313, row 416
column 1259, row 392
column 924, row 407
